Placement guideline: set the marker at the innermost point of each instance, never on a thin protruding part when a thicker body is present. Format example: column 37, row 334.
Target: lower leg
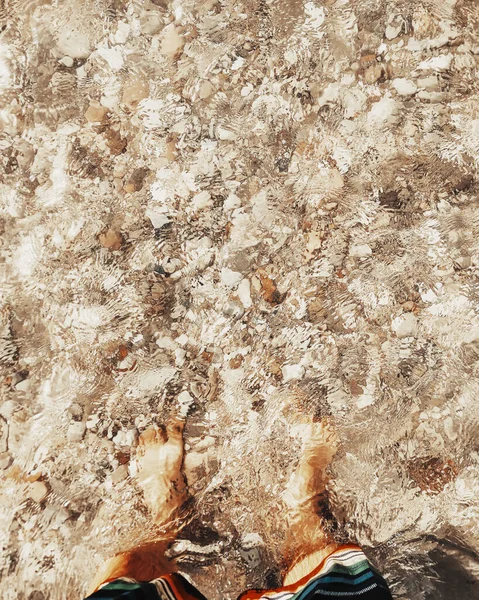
column 307, row 541
column 160, row 459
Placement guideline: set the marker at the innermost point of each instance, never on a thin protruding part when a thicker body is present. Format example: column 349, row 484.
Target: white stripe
column 166, row 588
column 368, row 589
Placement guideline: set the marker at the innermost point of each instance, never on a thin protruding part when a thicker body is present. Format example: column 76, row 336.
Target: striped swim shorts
column 346, row 573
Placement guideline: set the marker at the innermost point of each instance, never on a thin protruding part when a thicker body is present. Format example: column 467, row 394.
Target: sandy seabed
column 260, row 211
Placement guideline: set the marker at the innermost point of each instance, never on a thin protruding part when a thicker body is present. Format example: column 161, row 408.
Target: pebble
column 373, row 74
column 463, row 262
column 206, row 89
column 111, row 239
column 76, row 431
column 244, row 293
column 24, row 386
column 449, row 429
column 404, row 87
column 74, row 44
column 126, row 438
column 360, row 250
column 405, row 325
column 37, row 491
column 172, row 41
column 92, row 421
column 96, row 113
column 134, row 91
column 193, row 464
column 428, row 83
column 5, row 460
column 292, row 372
column 202, row 200
column 119, row 474
column 230, row 278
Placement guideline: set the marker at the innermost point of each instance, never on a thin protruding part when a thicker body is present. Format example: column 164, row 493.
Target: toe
column 174, row 429
column 152, row 436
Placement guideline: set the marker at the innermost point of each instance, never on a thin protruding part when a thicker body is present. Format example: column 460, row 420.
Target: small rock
column 207, row 442
column 449, row 429
column 24, row 386
column 37, row 491
column 119, row 474
column 185, row 402
column 67, row 61
column 392, row 31
column 373, row 74
column 226, row 134
column 206, row 89
column 202, row 200
column 236, row 361
column 134, row 91
column 463, row 262
column 405, row 325
column 74, row 43
column 233, row 309
column 150, row 23
column 231, row 202
column 404, row 87
column 111, row 239
column 244, row 293
column 193, row 465
column 76, row 431
column 230, row 278
column 96, row 113
column 269, row 291
column 5, row 460
column 437, row 63
column 137, row 178
column 292, row 372
column 428, row 83
column 172, row 42
column 360, row 250
column 114, row 141
column 75, row 410
column 92, row 421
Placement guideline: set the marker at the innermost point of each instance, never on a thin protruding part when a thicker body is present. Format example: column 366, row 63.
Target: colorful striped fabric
column 346, row 573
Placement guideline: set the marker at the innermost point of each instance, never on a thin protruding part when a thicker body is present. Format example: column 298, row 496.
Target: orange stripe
column 256, row 594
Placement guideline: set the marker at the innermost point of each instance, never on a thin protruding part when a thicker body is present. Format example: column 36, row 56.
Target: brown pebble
column 137, row 178
column 115, row 142
column 96, row 113
column 111, row 239
column 134, row 91
column 269, row 290
column 373, row 74
column 432, row 474
column 236, row 361
column 37, row 491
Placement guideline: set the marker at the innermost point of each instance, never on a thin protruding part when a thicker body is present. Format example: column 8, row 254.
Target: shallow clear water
column 271, row 207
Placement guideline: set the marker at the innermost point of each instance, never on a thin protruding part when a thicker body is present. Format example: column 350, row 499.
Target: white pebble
column 244, row 293
column 404, row 87
column 292, row 372
column 76, row 431
column 230, row 278
column 172, row 41
column 405, row 325
column 360, row 250
column 449, row 429
column 37, row 491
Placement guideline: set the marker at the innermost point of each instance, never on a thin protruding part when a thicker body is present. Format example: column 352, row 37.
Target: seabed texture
column 258, row 211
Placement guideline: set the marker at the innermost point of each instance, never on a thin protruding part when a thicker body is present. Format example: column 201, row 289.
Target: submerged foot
column 309, row 480
column 160, row 459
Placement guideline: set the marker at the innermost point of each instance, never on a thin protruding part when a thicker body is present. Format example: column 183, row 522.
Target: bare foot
column 160, row 459
column 310, row 479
